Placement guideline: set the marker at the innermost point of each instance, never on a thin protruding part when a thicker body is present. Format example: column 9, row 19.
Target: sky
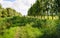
column 10, row 0
column 21, row 6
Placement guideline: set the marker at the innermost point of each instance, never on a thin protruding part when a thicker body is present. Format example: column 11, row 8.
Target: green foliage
column 24, row 27
column 12, row 25
column 45, row 8
column 30, row 32
column 8, row 12
column 9, row 33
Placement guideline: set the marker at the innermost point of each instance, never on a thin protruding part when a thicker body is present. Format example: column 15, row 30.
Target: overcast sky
column 19, row 5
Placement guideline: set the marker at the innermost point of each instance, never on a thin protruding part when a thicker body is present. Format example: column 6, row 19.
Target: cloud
column 19, row 5
column 9, row 0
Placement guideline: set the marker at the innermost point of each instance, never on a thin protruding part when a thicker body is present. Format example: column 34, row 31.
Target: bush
column 24, row 27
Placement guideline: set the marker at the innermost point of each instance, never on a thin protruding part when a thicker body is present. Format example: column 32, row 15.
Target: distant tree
column 12, row 12
column 8, row 12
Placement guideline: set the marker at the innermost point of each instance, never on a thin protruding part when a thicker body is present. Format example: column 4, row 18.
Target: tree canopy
column 44, row 7
column 8, row 12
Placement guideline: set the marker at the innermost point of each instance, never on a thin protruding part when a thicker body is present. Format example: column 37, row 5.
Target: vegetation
column 8, row 12
column 45, row 8
column 24, row 27
column 35, row 25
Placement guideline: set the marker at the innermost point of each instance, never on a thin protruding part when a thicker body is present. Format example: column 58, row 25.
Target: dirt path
column 17, row 33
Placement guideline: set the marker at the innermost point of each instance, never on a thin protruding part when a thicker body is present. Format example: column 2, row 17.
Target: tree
column 34, row 9
column 12, row 12
column 43, row 8
column 58, row 7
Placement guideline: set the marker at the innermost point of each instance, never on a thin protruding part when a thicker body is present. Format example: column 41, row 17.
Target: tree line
column 45, row 8
column 8, row 12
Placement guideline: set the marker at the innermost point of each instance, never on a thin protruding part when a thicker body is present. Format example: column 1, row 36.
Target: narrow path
column 17, row 33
